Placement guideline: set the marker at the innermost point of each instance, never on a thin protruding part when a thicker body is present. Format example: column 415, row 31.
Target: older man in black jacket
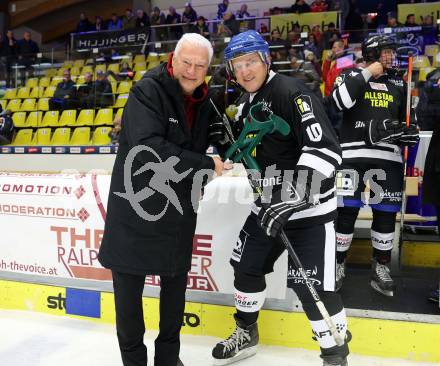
column 151, row 217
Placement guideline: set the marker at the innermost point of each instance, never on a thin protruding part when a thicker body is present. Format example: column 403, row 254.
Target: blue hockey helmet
column 244, row 43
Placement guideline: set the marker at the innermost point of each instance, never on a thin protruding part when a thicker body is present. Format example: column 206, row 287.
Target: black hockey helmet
column 373, row 46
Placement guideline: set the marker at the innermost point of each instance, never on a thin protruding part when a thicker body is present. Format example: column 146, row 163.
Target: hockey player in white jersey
column 373, row 101
column 311, row 153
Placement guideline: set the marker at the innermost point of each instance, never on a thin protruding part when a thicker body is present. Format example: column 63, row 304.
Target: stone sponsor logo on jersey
column 304, row 106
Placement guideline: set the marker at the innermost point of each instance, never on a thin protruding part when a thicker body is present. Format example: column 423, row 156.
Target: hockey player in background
column 373, row 101
column 303, row 202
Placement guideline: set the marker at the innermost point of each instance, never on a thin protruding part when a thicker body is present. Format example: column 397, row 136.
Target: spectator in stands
column 277, row 46
column 331, row 68
column 318, row 6
column 129, row 20
column 8, row 49
column 103, row 91
column 84, row 93
column 189, row 15
column 201, row 27
column 354, row 23
column 293, row 38
column 330, row 35
column 429, row 31
column 158, row 18
column 99, row 24
column 392, row 20
column 142, row 19
column 313, row 46
column 310, row 57
column 6, row 127
column 125, row 72
column 300, row 7
column 411, row 21
column 243, row 12
column 114, row 23
column 305, row 71
column 65, row 96
column 27, row 51
column 222, row 8
column 115, row 131
column 231, row 23
column 316, row 31
column 84, row 24
column 174, row 18
column 428, row 108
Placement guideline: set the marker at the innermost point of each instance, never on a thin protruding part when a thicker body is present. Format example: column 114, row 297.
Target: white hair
column 195, row 40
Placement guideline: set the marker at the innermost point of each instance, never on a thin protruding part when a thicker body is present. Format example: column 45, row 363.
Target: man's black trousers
column 130, row 324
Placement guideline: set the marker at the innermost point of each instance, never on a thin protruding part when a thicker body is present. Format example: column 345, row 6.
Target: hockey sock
column 382, row 235
column 344, row 231
column 333, row 304
column 249, row 294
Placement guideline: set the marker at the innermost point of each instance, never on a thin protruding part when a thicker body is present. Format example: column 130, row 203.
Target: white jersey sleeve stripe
column 316, row 163
column 345, row 96
column 325, row 151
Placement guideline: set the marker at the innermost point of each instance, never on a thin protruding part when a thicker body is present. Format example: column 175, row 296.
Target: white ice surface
column 29, row 338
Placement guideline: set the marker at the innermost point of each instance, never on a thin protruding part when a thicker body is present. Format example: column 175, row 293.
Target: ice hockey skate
column 340, row 275
column 342, row 363
column 381, row 279
column 242, row 343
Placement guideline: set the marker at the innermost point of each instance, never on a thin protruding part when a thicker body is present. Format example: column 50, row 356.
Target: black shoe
column 242, row 343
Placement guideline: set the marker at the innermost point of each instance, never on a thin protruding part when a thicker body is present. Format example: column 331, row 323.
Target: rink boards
column 418, row 341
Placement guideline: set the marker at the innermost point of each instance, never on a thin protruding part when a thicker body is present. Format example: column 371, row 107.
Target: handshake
column 391, row 131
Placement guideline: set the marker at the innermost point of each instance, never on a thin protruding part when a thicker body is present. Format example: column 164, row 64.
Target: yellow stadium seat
column 68, row 64
column 87, row 69
column 421, row 61
column 114, row 68
column 49, row 91
column 120, row 112
column 60, row 71
column 139, row 75
column 42, row 137
column 104, row 117
column 432, row 50
column 50, row 73
column 68, row 118
column 90, row 61
column 19, row 119
column 140, row 66
column 80, row 136
column 33, row 119
column 10, row 94
column 80, row 80
column 43, row 104
column 75, row 71
column 425, row 71
column 139, row 58
column 78, row 63
column 85, row 118
column 50, row 119
column 153, row 64
column 152, row 57
column 23, row 93
column 101, row 137
column 3, row 103
column 163, row 57
column 121, row 101
column 28, row 105
column 14, row 105
column 56, row 80
column 31, row 83
column 23, row 137
column 44, row 82
column 61, row 137
column 36, row 92
column 124, row 87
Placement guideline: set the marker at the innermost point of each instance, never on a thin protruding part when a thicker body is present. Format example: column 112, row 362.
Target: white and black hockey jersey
column 363, row 98
column 311, row 145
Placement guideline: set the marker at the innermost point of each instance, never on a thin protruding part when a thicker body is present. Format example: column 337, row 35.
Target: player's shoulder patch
column 339, row 80
column 303, row 104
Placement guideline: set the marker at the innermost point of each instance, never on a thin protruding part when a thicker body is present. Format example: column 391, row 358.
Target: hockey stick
column 405, row 151
column 296, row 261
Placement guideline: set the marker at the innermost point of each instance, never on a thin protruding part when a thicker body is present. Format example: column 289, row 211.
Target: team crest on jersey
column 304, row 106
column 353, row 73
column 237, row 252
column 339, row 80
